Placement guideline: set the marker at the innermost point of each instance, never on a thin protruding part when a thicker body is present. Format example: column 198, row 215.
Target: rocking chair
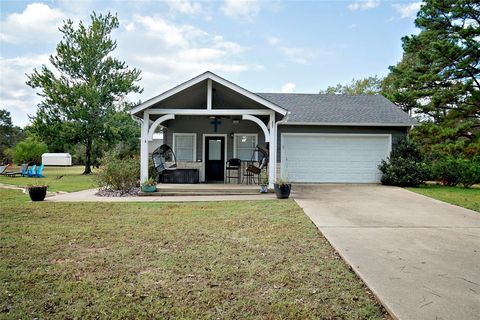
column 253, row 172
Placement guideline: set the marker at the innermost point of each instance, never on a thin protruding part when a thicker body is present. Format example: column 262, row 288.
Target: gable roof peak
column 202, row 77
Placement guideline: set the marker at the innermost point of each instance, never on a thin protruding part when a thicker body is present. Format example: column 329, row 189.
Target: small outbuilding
column 56, row 159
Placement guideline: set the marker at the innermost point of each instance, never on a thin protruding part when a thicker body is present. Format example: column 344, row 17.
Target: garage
column 333, row 158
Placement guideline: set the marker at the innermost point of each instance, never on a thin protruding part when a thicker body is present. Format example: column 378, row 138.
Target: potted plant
column 282, row 188
column 37, row 191
column 264, row 183
column 149, row 185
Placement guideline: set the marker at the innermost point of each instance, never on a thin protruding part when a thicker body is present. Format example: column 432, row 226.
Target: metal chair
column 234, row 165
column 253, row 172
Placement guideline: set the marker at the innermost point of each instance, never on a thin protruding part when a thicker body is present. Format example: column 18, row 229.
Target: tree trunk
column 88, row 157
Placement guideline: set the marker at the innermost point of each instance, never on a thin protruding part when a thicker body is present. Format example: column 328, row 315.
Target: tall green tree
column 439, row 75
column 10, row 135
column 88, row 86
column 369, row 85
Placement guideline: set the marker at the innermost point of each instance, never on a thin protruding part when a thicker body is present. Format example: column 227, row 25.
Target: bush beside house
column 405, row 167
column 453, row 171
column 118, row 174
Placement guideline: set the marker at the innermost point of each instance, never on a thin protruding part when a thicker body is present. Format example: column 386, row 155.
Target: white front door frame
column 202, row 178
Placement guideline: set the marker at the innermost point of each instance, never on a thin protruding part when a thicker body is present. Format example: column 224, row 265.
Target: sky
column 263, row 46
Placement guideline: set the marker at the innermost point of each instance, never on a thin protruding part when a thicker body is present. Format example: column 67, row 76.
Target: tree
column 90, row 86
column 439, row 75
column 9, row 134
column 369, row 85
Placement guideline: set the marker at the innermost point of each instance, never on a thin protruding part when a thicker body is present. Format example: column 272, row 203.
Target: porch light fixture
column 212, row 117
column 232, row 135
column 236, row 121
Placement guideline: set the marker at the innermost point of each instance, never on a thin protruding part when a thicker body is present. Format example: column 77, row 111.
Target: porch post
column 272, row 148
column 144, row 147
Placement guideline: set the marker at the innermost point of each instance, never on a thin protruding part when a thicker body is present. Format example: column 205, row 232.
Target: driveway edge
column 352, row 267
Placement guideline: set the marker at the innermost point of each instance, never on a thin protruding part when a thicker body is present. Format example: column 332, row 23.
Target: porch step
column 202, row 190
column 202, row 193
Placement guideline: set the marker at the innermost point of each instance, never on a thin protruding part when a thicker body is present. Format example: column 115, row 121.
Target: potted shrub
column 264, row 183
column 282, row 188
column 149, row 185
column 37, row 191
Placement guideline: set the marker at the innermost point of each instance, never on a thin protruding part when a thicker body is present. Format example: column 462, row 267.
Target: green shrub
column 446, row 170
column 29, row 151
column 469, row 171
column 118, row 174
column 405, row 167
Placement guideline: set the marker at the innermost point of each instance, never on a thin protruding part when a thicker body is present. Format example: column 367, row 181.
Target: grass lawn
column 228, row 260
column 71, row 180
column 467, row 198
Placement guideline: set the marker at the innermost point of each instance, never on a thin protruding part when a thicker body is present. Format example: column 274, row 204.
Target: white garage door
column 348, row 158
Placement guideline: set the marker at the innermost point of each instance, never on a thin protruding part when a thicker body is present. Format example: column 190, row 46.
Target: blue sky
column 264, row 46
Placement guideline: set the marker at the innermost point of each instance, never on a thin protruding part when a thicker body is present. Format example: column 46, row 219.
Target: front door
column 214, row 158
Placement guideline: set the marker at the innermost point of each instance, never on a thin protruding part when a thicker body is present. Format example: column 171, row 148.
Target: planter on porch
column 282, row 191
column 149, row 185
column 149, row 188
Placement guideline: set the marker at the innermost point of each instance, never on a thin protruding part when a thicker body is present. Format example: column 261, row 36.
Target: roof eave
column 350, row 124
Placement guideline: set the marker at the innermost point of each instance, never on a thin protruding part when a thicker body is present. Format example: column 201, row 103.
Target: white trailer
column 56, row 159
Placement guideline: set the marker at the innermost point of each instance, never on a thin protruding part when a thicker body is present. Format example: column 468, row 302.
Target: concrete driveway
column 420, row 256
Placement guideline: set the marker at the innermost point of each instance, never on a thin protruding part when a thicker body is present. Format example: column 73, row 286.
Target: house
column 311, row 138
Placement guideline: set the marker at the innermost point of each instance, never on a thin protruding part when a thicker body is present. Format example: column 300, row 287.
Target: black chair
column 233, row 168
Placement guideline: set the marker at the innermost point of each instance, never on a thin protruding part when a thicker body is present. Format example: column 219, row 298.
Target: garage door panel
column 333, row 158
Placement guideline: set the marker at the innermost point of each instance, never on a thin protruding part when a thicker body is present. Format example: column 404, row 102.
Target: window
column 244, row 146
column 184, row 146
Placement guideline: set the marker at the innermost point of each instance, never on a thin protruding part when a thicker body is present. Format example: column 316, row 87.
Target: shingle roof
column 338, row 109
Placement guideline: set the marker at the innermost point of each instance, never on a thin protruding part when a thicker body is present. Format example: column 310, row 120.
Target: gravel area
column 118, row 193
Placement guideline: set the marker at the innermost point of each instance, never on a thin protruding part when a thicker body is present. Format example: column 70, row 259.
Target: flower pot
column 282, row 191
column 37, row 193
column 263, row 188
column 149, row 188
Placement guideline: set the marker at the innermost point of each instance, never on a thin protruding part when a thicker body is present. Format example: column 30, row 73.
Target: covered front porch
column 210, row 123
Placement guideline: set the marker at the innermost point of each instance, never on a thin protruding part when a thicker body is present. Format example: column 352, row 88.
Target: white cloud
column 15, row 95
column 169, row 33
column 392, row 18
column 273, row 41
column 288, row 87
column 185, row 6
column 298, row 55
column 168, row 53
column 408, row 10
column 241, row 10
column 352, row 26
column 37, row 21
column 130, row 26
column 363, row 5
column 295, row 54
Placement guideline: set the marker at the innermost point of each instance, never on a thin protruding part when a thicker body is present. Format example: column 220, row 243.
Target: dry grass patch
column 228, row 260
